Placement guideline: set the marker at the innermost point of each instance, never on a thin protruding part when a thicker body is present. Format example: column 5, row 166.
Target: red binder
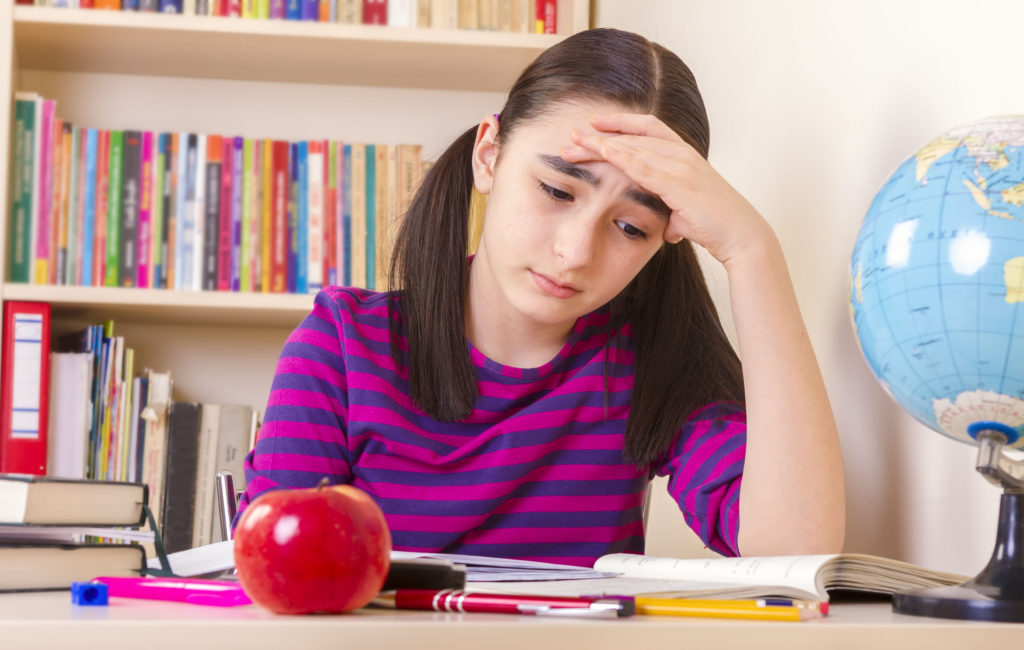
column 24, row 387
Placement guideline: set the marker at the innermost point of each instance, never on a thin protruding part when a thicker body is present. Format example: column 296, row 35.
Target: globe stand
column 997, row 593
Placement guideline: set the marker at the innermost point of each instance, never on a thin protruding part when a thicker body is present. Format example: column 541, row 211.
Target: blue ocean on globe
column 937, row 282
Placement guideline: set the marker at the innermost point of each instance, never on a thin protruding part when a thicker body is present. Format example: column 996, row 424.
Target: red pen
column 457, row 600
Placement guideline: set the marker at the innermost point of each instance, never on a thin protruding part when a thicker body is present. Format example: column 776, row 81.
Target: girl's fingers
column 597, row 143
column 634, row 124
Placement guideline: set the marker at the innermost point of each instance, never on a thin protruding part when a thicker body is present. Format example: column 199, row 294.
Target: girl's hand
column 705, row 208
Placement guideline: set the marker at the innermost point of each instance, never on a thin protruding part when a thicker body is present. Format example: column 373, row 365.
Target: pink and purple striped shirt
column 535, row 472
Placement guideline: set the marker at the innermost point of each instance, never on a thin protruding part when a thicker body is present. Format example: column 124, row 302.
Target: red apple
column 323, row 549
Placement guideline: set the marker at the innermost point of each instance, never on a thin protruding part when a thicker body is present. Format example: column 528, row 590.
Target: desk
column 49, row 620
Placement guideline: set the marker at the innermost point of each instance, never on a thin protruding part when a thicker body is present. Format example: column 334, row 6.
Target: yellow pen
column 813, row 605
column 681, row 607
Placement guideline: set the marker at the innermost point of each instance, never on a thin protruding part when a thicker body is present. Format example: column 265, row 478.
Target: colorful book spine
column 300, row 265
column 255, row 221
column 199, row 213
column 279, row 230
column 331, row 214
column 22, row 165
column 234, row 254
column 145, row 226
column 130, row 199
column 171, row 208
column 42, row 215
column 314, row 217
column 371, row 216
column 186, row 193
column 310, row 10
column 346, row 216
column 63, row 176
column 211, row 215
column 112, row 275
column 56, row 151
column 267, row 212
column 187, row 233
column 293, row 10
column 24, row 387
column 88, row 208
column 99, row 246
column 75, row 173
column 158, row 244
column 375, row 12
column 358, row 208
column 278, row 10
column 245, row 278
column 225, row 217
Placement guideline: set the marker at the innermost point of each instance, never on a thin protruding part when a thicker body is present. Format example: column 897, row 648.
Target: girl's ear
column 485, row 154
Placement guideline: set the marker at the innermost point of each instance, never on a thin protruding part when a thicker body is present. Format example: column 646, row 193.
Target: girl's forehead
column 553, row 127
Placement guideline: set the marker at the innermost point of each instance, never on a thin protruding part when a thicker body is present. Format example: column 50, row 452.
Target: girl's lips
column 550, row 287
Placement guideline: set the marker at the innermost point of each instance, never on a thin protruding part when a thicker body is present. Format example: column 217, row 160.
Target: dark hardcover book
column 130, row 184
column 180, row 476
column 211, row 222
column 48, row 501
column 55, row 566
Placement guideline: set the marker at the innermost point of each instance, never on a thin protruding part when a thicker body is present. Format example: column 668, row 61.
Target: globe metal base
column 995, row 594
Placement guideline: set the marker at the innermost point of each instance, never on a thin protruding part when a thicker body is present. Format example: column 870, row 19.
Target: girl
column 516, row 403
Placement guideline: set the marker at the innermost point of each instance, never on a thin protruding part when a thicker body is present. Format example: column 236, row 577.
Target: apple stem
column 324, row 482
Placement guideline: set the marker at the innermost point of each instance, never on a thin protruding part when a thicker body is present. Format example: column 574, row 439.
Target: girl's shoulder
column 353, row 304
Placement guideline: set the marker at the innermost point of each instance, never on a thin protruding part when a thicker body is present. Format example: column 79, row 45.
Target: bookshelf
column 257, row 78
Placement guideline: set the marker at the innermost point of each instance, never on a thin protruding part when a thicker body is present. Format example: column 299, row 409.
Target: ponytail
column 429, row 267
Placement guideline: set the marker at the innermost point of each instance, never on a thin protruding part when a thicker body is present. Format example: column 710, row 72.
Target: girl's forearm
column 792, row 499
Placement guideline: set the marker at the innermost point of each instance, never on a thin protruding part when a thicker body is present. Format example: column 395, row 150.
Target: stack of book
column 110, row 424
column 55, row 531
column 94, row 207
column 95, row 417
column 526, row 16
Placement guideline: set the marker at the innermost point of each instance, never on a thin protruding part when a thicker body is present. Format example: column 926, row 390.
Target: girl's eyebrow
column 560, row 165
column 650, row 201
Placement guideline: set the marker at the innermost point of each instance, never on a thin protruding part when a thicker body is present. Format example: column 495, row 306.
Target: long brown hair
column 679, row 368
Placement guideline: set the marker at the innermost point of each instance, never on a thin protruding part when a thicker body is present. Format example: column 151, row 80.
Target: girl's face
column 559, row 239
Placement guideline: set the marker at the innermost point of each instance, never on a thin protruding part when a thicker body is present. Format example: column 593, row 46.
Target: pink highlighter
column 217, row 593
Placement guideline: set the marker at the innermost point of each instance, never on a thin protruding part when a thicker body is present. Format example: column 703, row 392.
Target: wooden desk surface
column 49, row 620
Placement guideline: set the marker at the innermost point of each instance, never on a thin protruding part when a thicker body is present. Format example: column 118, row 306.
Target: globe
column 937, row 282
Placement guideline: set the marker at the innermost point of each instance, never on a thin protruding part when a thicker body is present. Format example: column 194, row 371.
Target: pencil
column 812, row 605
column 680, row 607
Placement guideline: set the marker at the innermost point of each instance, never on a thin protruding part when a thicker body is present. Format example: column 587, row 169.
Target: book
column 805, row 577
column 71, row 381
column 22, row 165
column 180, row 476
column 203, row 508
column 800, row 577
column 40, row 566
column 155, row 436
column 24, row 387
column 212, row 213
column 39, row 500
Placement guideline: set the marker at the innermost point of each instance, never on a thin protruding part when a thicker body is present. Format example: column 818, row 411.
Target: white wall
column 812, row 104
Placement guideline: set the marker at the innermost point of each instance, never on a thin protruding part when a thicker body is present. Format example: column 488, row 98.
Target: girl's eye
column 630, row 230
column 555, row 193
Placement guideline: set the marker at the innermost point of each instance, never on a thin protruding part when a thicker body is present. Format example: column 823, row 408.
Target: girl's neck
column 503, row 334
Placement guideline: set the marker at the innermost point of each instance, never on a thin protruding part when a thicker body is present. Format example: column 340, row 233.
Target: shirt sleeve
column 303, row 436
column 705, row 469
